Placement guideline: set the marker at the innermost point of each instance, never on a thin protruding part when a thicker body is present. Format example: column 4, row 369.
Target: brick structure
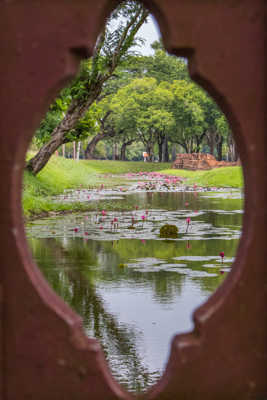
column 44, row 352
column 199, row 161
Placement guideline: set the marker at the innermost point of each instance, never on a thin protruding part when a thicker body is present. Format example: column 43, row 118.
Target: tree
column 189, row 115
column 111, row 48
column 226, row 134
column 140, row 111
column 161, row 66
column 106, row 130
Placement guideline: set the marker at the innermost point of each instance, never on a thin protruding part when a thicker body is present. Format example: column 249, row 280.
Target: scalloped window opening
column 131, row 220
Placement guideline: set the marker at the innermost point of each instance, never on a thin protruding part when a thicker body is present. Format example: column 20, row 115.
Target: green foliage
column 141, row 109
column 148, row 99
column 161, row 66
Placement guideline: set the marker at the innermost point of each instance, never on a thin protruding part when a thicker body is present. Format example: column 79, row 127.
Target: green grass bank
column 217, row 177
column 60, row 174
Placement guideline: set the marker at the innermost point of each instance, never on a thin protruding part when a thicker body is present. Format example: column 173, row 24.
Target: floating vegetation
column 168, row 231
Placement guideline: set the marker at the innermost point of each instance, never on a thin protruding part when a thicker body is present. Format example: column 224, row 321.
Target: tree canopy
column 124, row 98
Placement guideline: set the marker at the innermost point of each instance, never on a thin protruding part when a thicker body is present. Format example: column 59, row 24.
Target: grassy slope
column 218, row 177
column 60, row 174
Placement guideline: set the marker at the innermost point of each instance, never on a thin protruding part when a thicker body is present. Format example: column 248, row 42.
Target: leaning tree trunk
column 73, row 115
column 90, row 149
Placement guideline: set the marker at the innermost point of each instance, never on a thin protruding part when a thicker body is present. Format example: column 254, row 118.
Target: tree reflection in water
column 162, row 281
column 76, row 286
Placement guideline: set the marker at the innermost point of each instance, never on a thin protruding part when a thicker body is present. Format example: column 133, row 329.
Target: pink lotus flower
column 103, row 212
column 186, row 204
column 222, row 255
column 143, row 217
column 115, row 219
column 101, row 227
column 86, row 233
column 188, row 220
column 75, row 229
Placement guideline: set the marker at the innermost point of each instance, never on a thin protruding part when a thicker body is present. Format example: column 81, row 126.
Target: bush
column 168, row 231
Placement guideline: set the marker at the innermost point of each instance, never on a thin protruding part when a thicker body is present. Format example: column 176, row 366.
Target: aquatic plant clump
column 168, row 231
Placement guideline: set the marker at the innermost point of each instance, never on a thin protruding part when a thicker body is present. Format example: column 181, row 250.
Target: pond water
column 133, row 289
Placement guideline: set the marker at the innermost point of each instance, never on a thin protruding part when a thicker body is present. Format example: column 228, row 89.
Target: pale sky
column 150, row 33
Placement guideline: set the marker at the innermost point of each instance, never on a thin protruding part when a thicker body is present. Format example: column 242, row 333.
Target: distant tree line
column 123, row 103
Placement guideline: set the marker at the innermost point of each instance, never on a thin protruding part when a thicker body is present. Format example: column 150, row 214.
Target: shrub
column 168, row 231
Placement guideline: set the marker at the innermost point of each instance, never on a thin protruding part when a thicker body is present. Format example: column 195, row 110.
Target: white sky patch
column 150, row 32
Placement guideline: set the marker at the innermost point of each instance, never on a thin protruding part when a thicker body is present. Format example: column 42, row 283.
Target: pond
column 133, row 289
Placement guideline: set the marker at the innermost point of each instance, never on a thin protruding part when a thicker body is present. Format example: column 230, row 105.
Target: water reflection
column 134, row 294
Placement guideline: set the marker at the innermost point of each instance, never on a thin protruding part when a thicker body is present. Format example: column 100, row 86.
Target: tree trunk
column 116, row 151
column 199, row 141
column 73, row 115
column 219, row 148
column 232, row 151
column 160, row 145
column 211, row 141
column 174, row 151
column 74, row 150
column 93, row 84
column 165, row 149
column 160, row 151
column 123, row 149
column 149, row 150
column 115, row 155
column 78, row 151
column 123, row 152
column 90, row 149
